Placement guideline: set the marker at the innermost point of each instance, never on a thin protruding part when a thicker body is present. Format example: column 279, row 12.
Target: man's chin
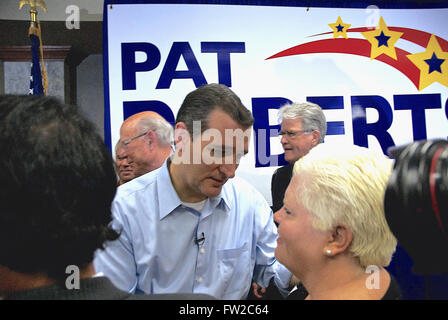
column 213, row 191
column 291, row 158
column 127, row 178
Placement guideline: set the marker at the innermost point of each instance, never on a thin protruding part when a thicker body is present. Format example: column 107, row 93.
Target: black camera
column 416, row 203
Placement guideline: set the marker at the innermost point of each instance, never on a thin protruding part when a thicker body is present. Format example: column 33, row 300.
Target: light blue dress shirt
column 158, row 252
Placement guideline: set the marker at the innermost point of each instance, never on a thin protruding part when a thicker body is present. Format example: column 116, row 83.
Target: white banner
column 381, row 76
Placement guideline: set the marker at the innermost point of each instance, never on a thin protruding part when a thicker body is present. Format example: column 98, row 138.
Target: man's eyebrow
column 221, row 146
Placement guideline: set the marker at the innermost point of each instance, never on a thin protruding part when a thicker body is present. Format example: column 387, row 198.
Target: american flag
column 36, row 87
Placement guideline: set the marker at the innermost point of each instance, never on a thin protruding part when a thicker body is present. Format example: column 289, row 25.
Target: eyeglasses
column 292, row 134
column 126, row 142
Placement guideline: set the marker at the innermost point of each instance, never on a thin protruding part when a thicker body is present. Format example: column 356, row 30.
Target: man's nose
column 228, row 170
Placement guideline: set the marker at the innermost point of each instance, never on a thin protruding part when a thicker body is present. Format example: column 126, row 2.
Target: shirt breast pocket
column 235, row 271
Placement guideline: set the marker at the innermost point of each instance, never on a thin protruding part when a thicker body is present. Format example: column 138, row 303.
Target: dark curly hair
column 57, row 183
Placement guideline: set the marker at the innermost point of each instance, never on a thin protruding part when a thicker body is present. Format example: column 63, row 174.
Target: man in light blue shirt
column 186, row 227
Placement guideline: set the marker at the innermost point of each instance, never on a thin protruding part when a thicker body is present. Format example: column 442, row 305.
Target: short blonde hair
column 346, row 184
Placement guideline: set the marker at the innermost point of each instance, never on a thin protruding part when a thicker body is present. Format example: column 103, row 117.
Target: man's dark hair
column 57, row 183
column 199, row 103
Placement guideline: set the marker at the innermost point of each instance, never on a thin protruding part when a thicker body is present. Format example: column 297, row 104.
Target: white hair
column 160, row 126
column 311, row 115
column 346, row 184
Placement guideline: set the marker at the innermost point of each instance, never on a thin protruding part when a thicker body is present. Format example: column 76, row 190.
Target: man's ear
column 152, row 139
column 181, row 135
column 316, row 137
column 339, row 240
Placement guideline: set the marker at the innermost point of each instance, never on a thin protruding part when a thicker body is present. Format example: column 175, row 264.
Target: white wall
column 90, row 92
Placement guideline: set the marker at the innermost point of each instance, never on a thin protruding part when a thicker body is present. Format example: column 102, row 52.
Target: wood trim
column 23, row 53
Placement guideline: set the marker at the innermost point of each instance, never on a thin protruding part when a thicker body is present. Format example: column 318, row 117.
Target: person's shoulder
column 284, row 170
column 138, row 184
column 241, row 185
column 280, row 174
column 245, row 194
column 393, row 291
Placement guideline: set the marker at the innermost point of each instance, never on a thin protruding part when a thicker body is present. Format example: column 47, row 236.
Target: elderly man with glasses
column 145, row 143
column 303, row 126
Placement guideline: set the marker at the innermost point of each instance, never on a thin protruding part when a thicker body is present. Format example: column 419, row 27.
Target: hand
column 258, row 291
column 293, row 281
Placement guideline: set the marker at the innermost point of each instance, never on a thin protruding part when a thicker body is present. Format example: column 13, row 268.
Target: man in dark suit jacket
column 303, row 126
column 57, row 186
column 279, row 184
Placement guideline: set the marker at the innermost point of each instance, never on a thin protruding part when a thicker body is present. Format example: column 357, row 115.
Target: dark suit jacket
column 279, row 184
column 98, row 288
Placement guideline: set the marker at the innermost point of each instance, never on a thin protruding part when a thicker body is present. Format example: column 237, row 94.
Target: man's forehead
column 141, row 115
column 226, row 135
column 128, row 129
column 221, row 118
column 227, row 141
column 296, row 122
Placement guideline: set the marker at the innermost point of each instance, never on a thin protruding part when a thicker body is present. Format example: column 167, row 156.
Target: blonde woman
column 333, row 235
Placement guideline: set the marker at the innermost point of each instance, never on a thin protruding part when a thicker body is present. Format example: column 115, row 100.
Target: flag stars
column 431, row 64
column 382, row 39
column 339, row 28
column 434, row 63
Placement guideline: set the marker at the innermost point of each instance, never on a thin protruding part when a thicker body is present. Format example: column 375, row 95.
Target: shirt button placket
column 202, row 264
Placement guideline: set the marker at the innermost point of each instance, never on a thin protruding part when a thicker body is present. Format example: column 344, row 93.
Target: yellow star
column 339, row 28
column 433, row 64
column 382, row 40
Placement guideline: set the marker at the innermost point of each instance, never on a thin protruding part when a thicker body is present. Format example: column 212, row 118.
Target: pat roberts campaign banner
column 380, row 75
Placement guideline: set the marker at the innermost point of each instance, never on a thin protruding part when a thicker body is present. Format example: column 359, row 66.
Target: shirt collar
column 167, row 195
column 224, row 198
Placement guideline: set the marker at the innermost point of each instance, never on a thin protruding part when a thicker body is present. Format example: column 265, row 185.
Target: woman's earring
column 328, row 252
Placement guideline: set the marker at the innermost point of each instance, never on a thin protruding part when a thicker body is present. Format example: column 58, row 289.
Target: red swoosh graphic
column 416, row 36
column 358, row 47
